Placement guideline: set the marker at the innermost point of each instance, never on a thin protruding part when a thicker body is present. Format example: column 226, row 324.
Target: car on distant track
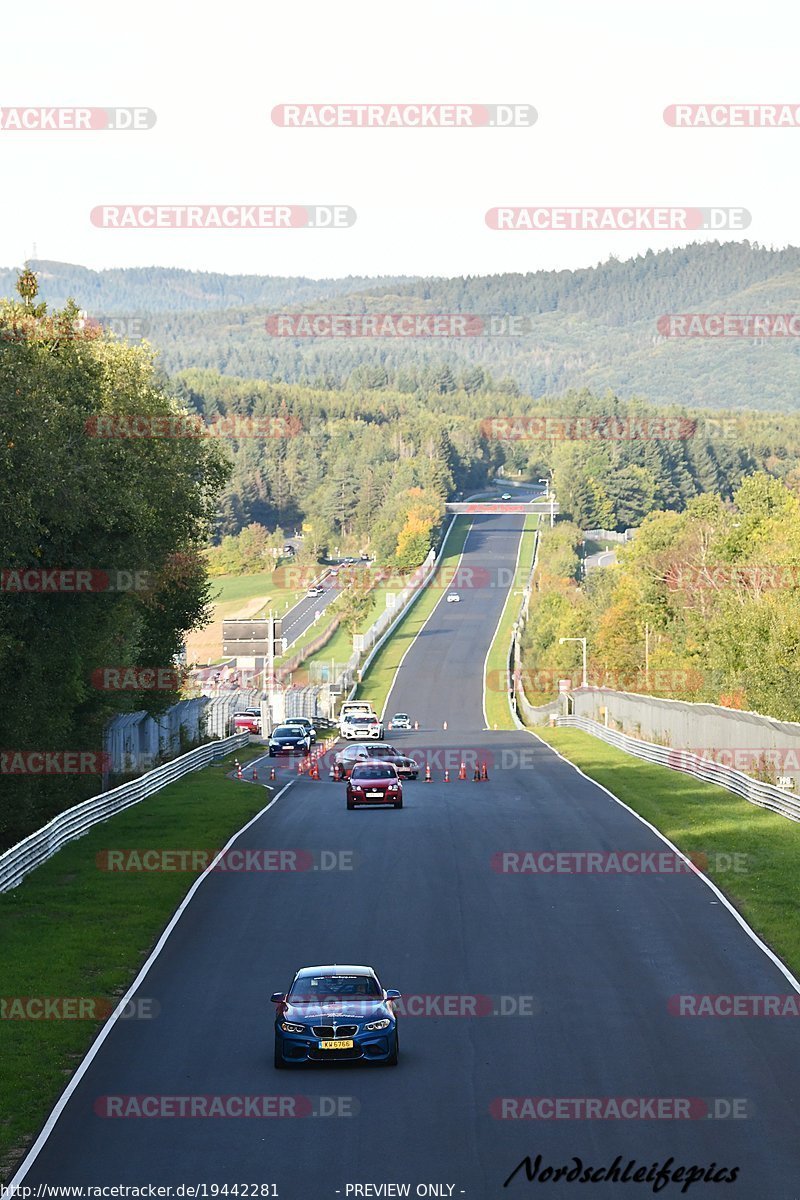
column 374, row 783
column 289, row 739
column 335, row 1014
column 453, row 598
column 400, row 721
column 316, row 591
column 351, row 756
column 304, row 723
column 249, row 720
column 506, row 496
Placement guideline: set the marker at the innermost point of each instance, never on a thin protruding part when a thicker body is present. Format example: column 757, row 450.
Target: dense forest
column 702, row 605
column 100, row 551
column 594, row 328
column 350, row 457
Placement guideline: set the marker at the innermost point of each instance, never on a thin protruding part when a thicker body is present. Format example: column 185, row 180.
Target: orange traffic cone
column 416, row 724
column 238, row 771
column 427, row 772
column 462, row 771
column 484, row 772
column 314, row 772
column 272, row 773
column 255, row 775
column 446, row 776
column 337, row 772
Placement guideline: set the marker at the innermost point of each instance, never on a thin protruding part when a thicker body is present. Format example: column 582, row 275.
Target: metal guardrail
column 74, row 822
column 765, row 795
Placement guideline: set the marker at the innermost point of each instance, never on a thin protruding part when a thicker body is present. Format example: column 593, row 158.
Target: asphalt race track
column 524, row 985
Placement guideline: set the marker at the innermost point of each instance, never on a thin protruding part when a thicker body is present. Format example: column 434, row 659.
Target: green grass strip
column 380, row 675
column 498, row 713
column 72, row 929
column 752, row 855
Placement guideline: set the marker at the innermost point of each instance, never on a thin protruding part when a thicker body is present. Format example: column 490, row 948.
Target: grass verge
column 763, row 882
column 72, row 929
column 498, row 714
column 379, row 678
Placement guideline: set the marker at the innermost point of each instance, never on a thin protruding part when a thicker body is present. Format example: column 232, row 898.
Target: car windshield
column 314, row 987
column 374, row 771
column 287, row 731
column 379, row 751
column 400, row 717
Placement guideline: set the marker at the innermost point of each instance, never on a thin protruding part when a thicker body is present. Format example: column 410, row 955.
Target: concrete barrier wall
column 758, row 745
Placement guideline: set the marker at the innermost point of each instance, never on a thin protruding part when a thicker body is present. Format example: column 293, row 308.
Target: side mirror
column 392, row 994
column 277, row 997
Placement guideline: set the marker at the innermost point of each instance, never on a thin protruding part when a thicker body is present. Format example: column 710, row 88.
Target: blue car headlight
column 384, row 1024
column 289, row 1028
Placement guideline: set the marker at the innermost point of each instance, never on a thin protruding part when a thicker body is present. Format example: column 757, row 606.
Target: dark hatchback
column 288, row 739
column 361, row 752
column 335, row 1014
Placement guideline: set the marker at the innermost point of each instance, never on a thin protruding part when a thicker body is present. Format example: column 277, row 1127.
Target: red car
column 374, row 783
column 248, row 720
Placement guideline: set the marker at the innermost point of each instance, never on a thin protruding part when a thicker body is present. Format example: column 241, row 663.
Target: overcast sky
column 598, row 74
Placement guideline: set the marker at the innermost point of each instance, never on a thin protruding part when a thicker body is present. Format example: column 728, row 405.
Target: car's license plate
column 374, row 795
column 337, row 1044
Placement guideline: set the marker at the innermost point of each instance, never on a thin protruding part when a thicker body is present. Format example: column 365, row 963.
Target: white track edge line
column 91, row 1053
column 708, row 882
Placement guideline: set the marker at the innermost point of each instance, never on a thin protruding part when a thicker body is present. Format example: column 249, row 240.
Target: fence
column 745, row 740
column 134, row 741
column 765, row 795
column 608, row 535
column 36, row 849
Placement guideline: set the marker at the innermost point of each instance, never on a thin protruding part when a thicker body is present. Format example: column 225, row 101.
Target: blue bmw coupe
column 335, row 1014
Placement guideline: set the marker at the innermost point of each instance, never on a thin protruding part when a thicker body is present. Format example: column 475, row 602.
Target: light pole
column 551, row 496
column 582, row 640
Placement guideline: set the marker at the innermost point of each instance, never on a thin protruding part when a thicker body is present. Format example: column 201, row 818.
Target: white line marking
column 751, row 933
column 91, row 1053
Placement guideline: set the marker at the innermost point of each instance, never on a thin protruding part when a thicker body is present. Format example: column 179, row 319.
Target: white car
column 360, row 726
column 506, row 496
column 315, row 591
column 453, row 598
column 400, row 721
